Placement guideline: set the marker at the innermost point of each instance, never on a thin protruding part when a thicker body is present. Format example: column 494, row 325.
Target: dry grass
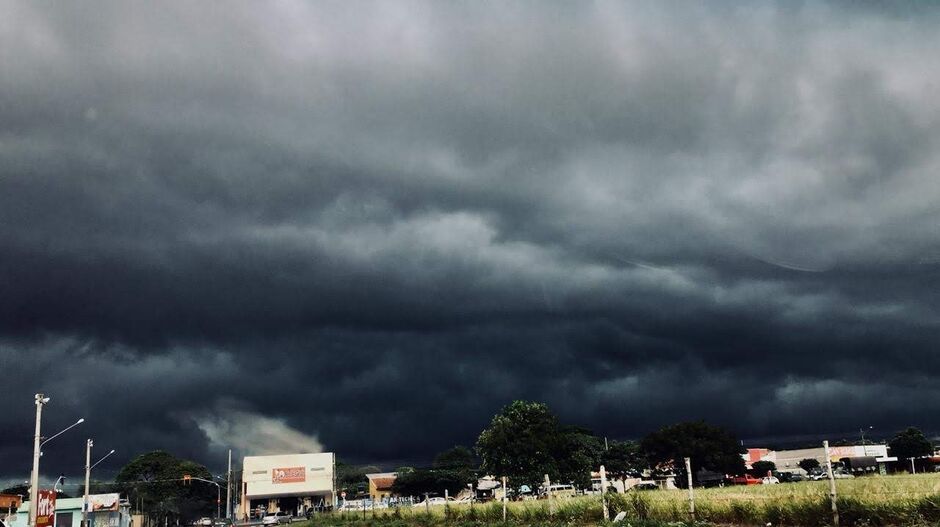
column 870, row 501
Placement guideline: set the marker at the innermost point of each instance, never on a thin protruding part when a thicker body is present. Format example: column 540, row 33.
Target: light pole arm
column 100, row 460
column 76, row 423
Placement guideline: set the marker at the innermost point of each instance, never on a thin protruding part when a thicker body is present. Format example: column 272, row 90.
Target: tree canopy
column 623, row 459
column 525, row 441
column 809, row 464
column 761, row 468
column 155, row 479
column 910, row 443
column 710, row 447
column 520, row 443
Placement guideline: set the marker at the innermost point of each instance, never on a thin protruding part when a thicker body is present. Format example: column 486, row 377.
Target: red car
column 746, row 479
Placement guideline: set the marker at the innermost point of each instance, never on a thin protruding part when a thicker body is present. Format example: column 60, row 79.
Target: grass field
column 869, row 501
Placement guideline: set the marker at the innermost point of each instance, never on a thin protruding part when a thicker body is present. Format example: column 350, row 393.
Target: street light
column 218, row 498
column 41, row 400
column 66, row 429
column 88, row 467
column 862, row 432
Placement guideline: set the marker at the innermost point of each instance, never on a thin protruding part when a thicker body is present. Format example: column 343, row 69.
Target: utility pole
column 228, row 487
column 604, row 493
column 34, row 477
column 88, row 445
column 688, row 472
column 832, row 486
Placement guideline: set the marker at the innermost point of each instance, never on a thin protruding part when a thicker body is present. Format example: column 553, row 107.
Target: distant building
column 380, row 485
column 107, row 510
column 9, row 503
column 875, row 456
column 295, row 483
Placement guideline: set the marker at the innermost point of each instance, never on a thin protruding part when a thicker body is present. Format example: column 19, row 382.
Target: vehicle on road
column 769, row 480
column 430, row 502
column 277, row 518
column 204, row 522
column 746, row 479
column 222, row 522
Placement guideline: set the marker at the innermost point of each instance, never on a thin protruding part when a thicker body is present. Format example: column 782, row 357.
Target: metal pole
column 228, row 487
column 913, row 470
column 218, row 501
column 688, row 472
column 604, row 493
column 832, row 486
column 34, row 477
column 88, row 445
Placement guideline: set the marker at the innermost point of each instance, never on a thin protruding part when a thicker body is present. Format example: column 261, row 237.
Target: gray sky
column 291, row 225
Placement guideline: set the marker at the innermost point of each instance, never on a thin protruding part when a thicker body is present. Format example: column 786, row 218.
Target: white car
column 769, row 480
column 276, row 518
column 204, row 522
column 430, row 502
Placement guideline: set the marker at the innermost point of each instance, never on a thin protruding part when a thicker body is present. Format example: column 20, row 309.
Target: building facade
column 380, row 485
column 106, row 510
column 295, row 483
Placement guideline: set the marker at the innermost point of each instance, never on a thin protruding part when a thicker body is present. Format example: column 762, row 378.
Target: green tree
column 577, row 453
column 623, row 459
column 710, row 447
column 419, row 482
column 520, row 443
column 759, row 469
column 156, row 480
column 352, row 479
column 809, row 464
column 910, row 443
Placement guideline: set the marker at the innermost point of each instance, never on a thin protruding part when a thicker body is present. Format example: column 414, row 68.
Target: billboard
column 45, row 510
column 288, row 475
column 104, row 502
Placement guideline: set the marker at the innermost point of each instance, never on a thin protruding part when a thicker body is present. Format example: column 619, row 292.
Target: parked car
column 431, row 502
column 222, row 522
column 204, row 522
column 276, row 518
column 746, row 479
column 769, row 480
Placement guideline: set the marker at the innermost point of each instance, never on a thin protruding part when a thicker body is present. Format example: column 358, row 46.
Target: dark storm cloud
column 295, row 224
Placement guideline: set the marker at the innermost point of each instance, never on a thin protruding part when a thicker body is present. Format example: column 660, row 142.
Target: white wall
column 288, row 475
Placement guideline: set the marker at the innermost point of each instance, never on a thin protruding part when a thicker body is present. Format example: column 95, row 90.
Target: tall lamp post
column 218, row 491
column 88, row 466
column 41, row 400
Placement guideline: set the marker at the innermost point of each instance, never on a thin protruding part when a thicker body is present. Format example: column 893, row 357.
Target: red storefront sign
column 288, row 475
column 45, row 511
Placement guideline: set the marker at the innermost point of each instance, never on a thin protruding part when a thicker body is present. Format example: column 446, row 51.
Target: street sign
column 45, row 511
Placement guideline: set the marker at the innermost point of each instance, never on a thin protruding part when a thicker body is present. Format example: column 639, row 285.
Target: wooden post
column 505, row 498
column 604, row 493
column 832, row 486
column 688, row 472
column 548, row 490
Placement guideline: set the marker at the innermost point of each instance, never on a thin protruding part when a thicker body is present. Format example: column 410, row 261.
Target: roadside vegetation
column 872, row 501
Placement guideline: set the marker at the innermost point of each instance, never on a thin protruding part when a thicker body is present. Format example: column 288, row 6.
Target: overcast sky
column 365, row 227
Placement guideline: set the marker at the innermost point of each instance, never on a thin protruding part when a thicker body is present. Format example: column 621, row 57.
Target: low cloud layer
column 300, row 225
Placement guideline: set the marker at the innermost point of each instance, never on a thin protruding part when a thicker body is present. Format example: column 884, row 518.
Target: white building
column 294, row 483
